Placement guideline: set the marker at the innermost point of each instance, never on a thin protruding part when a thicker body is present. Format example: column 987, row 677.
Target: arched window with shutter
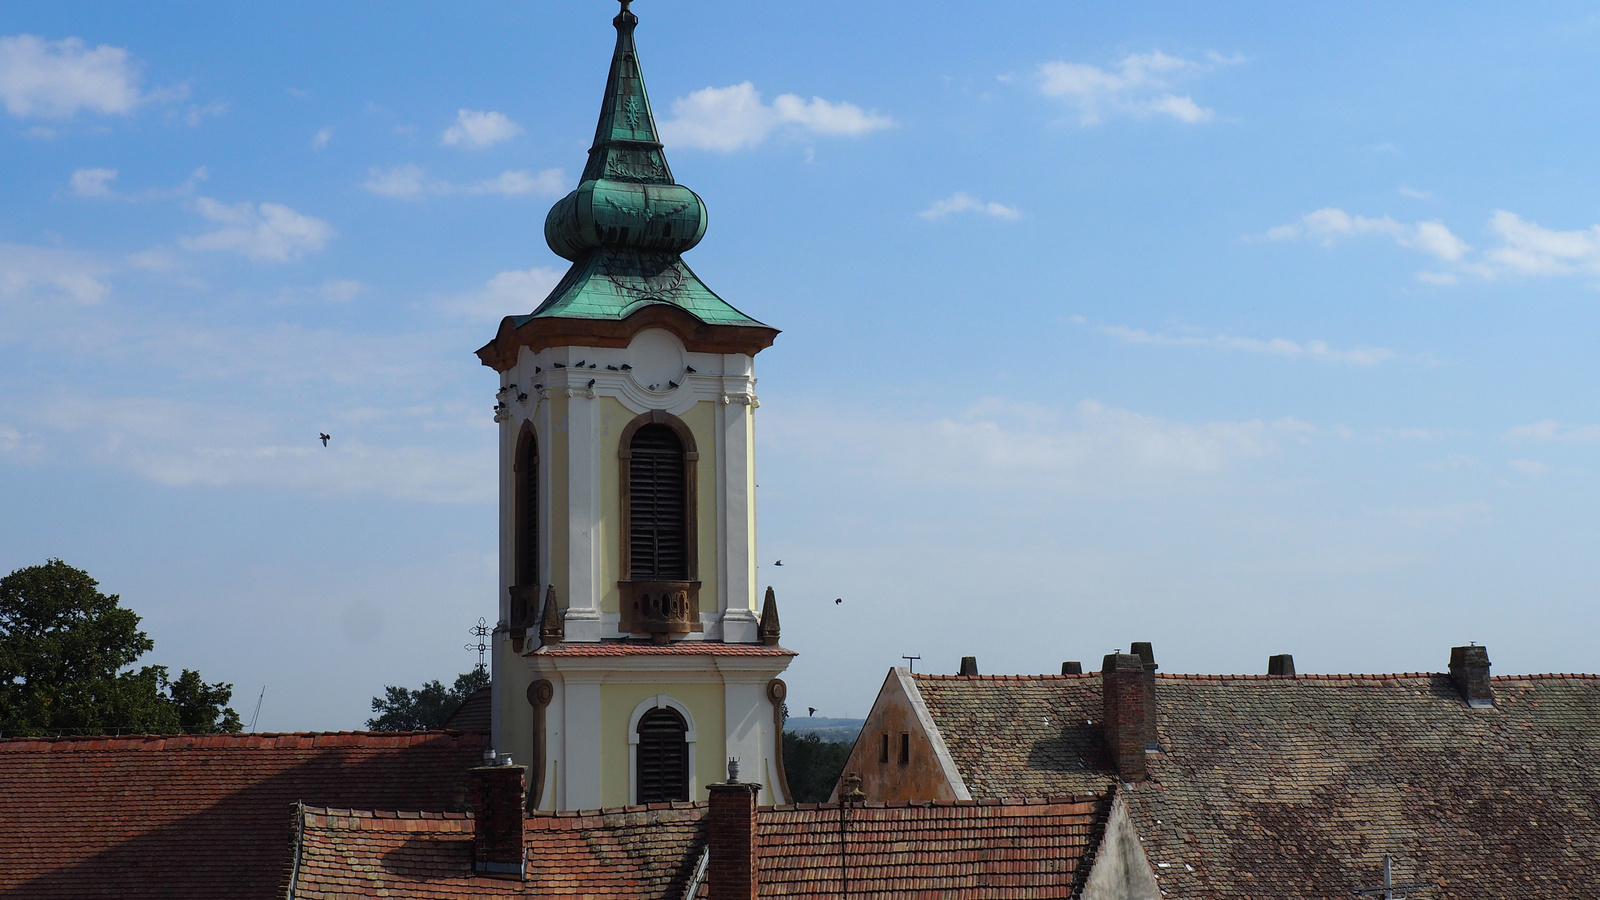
column 662, row 758
column 659, row 571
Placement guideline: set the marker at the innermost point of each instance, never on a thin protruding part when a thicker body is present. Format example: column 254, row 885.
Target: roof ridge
column 257, row 741
column 408, row 814
column 618, row 810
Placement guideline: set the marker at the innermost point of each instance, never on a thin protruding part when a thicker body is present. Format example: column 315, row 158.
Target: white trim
column 659, row 701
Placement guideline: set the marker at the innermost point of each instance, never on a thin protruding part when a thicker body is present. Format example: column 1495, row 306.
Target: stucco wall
column 618, row 702
column 923, row 777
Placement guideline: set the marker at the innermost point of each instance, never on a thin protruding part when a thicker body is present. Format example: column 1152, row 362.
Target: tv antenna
column 911, row 662
column 258, row 709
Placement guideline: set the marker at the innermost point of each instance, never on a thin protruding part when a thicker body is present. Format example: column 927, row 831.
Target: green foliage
column 402, row 709
column 813, row 766
column 67, row 655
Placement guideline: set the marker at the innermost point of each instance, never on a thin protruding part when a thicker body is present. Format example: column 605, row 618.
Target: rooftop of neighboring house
column 1299, row 786
column 199, row 816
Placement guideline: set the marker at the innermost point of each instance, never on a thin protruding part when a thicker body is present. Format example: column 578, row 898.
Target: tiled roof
column 475, row 712
column 647, row 648
column 198, row 816
column 991, row 849
column 1021, row 736
column 1297, row 787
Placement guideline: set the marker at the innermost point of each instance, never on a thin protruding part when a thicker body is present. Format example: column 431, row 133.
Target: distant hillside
column 841, row 731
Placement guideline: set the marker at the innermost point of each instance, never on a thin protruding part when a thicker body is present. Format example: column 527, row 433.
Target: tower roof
column 624, row 228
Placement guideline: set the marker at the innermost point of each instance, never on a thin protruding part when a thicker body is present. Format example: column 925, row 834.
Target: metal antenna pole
column 911, row 662
column 1390, row 890
column 257, row 713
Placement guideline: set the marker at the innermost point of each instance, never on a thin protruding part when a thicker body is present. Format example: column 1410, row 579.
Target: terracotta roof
column 1021, row 736
column 198, row 816
column 1297, row 787
column 1019, row 849
column 646, row 648
column 475, row 712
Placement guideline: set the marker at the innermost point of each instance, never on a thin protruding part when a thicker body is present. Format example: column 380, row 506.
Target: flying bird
column 838, row 600
column 325, row 438
column 778, row 563
column 811, row 711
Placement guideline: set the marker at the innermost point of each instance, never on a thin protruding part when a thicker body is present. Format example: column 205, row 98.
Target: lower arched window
column 663, row 756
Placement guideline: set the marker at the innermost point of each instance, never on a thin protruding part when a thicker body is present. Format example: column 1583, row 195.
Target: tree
column 812, row 765
column 402, row 709
column 67, row 655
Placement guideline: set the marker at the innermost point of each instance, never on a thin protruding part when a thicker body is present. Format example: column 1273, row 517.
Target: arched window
column 662, row 757
column 658, row 507
column 526, row 527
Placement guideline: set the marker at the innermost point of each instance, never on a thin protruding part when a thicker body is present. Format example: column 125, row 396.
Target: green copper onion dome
column 627, row 197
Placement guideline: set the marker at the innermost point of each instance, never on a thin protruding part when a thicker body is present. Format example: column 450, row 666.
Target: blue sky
column 1243, row 329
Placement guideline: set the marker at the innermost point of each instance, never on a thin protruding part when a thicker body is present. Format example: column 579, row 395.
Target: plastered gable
column 928, row 772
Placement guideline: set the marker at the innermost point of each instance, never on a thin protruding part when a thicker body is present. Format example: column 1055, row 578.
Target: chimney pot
column 731, row 840
column 1072, row 668
column 497, row 826
column 1282, row 665
column 1122, row 684
column 969, row 665
column 1469, row 669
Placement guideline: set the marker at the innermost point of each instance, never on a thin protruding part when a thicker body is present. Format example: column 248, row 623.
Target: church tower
column 631, row 657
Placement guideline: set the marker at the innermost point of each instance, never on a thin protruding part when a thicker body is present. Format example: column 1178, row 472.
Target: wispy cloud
column 1448, row 516
column 1530, row 467
column 1525, row 248
column 1139, row 85
column 322, row 138
column 961, row 202
column 48, row 274
column 734, row 118
column 475, row 129
column 1317, row 351
column 411, row 182
column 506, row 294
column 269, row 232
column 1550, row 431
column 58, row 79
column 96, row 183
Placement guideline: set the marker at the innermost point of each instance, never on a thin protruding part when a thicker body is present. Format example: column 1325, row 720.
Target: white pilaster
column 736, row 513
column 581, row 754
column 582, row 621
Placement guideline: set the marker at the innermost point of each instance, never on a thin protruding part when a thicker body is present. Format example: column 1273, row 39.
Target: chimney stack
column 1147, row 657
column 731, row 838
column 1072, row 668
column 969, row 665
column 1122, row 682
column 1469, row 669
column 497, row 803
column 1281, row 665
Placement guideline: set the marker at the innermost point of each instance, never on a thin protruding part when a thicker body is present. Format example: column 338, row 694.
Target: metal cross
column 479, row 631
column 911, row 662
column 1390, row 890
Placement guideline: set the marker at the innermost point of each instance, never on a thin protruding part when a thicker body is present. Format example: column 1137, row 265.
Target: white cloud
column 1530, row 249
column 1139, row 85
column 16, row 446
column 1528, row 466
column 1550, row 431
column 734, row 118
column 998, row 444
column 1313, row 350
column 93, row 182
column 270, row 232
column 57, row 79
column 196, row 113
column 511, row 293
column 333, row 290
column 1328, row 225
column 1415, row 194
column 479, row 128
column 47, row 274
column 961, row 201
column 321, row 138
column 410, row 182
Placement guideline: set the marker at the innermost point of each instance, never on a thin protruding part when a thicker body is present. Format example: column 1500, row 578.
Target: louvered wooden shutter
column 658, row 534
column 663, row 757
column 527, row 513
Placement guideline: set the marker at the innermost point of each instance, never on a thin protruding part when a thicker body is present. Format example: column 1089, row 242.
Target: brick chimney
column 1122, row 684
column 731, row 838
column 969, row 665
column 497, row 800
column 1281, row 665
column 1072, row 668
column 1147, row 657
column 1469, row 669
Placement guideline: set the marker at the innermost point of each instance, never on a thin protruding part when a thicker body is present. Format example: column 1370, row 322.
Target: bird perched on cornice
column 325, row 437
column 522, row 398
column 591, row 383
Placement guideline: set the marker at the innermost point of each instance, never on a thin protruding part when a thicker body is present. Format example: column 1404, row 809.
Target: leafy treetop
column 402, row 709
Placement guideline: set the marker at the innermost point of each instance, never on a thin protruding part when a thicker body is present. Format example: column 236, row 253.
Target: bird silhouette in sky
column 838, row 600
column 325, row 438
column 778, row 563
column 811, row 711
